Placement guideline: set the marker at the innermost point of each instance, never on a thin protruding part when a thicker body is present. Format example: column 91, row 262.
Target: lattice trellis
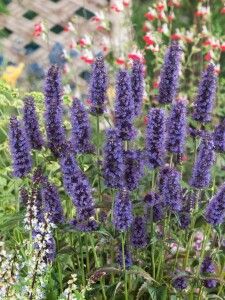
column 19, row 26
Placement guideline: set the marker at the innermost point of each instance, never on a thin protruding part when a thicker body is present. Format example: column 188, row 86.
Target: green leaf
column 153, row 293
column 162, row 293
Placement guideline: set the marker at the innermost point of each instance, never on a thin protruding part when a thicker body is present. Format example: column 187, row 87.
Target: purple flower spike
column 87, row 225
column 180, row 283
column 124, row 106
column 169, row 77
column 153, row 200
column 137, row 85
column 113, row 164
column 215, row 211
column 128, row 257
column 123, row 217
column 171, row 189
column 176, row 128
column 52, row 203
column 19, row 148
column 138, row 237
column 155, row 137
column 205, row 159
column 208, row 266
column 219, row 137
column 54, row 111
column 77, row 185
column 31, row 124
column 203, row 104
column 98, row 86
column 134, row 168
column 81, row 131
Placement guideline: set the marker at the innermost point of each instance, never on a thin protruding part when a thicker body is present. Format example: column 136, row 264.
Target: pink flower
column 69, row 27
column 217, row 68
column 39, row 27
column 155, row 84
column 149, row 39
column 66, row 68
column 222, row 47
column 120, row 60
column 85, row 41
column 160, row 6
column 151, row 14
column 72, row 44
column 88, row 101
column 222, row 10
column 126, row 3
column 105, row 44
column 88, row 56
column 154, row 49
column 118, row 7
column 136, row 54
column 208, row 56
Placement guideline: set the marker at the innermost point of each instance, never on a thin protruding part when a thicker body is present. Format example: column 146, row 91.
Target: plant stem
column 123, row 237
column 82, row 260
column 87, row 254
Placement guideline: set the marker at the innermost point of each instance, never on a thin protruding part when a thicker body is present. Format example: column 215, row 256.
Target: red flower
column 222, row 47
column 145, row 120
column 207, row 43
column 38, row 29
column 120, row 61
column 185, row 158
column 148, row 39
column 175, row 37
column 208, row 56
column 155, row 84
column 88, row 101
column 126, row 3
column 188, row 40
column 149, row 16
column 222, row 11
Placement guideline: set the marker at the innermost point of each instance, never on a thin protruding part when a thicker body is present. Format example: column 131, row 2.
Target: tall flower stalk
column 54, row 111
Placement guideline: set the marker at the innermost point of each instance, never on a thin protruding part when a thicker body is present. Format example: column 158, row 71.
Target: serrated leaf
column 142, row 290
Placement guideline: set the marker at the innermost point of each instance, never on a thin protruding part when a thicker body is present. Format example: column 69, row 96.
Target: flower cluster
column 54, row 110
column 219, row 137
column 113, row 164
column 133, row 168
column 122, row 214
column 31, row 124
column 20, row 148
column 137, row 85
column 124, row 106
column 138, row 237
column 98, row 86
column 171, row 189
column 207, row 266
column 215, row 211
column 153, row 200
column 205, row 159
column 155, row 137
column 81, row 132
column 169, row 76
column 176, row 128
column 204, row 101
column 127, row 255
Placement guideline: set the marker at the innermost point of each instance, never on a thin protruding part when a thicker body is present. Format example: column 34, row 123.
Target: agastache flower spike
column 19, row 148
column 98, row 86
column 31, row 124
column 203, row 104
column 205, row 159
column 171, row 189
column 122, row 214
column 176, row 128
column 134, row 168
column 52, row 203
column 169, row 77
column 54, row 110
column 219, row 137
column 137, row 85
column 128, row 257
column 153, row 200
column 155, row 137
column 215, row 211
column 124, row 106
column 113, row 164
column 76, row 184
column 81, row 131
column 207, row 266
column 138, row 237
